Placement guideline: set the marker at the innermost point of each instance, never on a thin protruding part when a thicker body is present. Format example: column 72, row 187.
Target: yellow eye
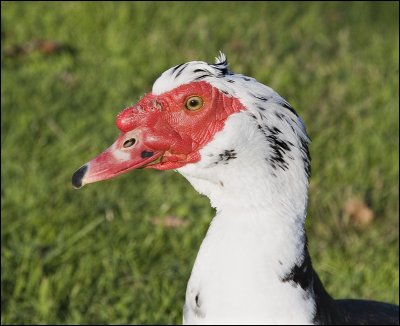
column 194, row 103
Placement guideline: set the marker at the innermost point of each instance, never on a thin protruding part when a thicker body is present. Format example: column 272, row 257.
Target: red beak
column 128, row 152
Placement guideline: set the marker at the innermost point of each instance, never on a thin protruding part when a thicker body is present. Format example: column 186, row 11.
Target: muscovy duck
column 243, row 146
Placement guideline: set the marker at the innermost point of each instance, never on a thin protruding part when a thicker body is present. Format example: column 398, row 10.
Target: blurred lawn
column 94, row 256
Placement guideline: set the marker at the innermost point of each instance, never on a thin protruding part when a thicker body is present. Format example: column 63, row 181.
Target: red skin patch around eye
column 177, row 131
column 159, row 132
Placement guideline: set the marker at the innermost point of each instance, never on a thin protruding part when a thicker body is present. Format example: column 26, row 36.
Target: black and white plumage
column 253, row 266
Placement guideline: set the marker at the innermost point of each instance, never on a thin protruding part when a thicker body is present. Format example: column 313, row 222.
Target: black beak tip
column 78, row 176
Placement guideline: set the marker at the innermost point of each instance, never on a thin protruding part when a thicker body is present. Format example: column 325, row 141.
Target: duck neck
column 259, row 210
column 263, row 214
column 254, row 258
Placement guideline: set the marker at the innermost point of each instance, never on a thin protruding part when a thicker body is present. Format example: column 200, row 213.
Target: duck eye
column 194, row 103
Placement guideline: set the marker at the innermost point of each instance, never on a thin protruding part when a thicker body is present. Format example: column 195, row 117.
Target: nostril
column 130, row 142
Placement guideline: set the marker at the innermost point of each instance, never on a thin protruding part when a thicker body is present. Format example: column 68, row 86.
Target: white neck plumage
column 250, row 261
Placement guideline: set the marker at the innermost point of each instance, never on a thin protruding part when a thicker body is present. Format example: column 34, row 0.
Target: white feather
column 257, row 234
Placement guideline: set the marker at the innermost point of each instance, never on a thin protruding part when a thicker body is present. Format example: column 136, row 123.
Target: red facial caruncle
column 162, row 132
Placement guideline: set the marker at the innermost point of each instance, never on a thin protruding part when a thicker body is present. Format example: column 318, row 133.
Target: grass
column 94, row 256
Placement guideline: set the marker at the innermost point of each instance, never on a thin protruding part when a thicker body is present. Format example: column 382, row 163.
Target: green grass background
column 94, row 256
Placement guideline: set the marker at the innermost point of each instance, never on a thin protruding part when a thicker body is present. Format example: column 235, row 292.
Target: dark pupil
column 194, row 102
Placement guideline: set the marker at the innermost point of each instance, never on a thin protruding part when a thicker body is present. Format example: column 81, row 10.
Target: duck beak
column 130, row 151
